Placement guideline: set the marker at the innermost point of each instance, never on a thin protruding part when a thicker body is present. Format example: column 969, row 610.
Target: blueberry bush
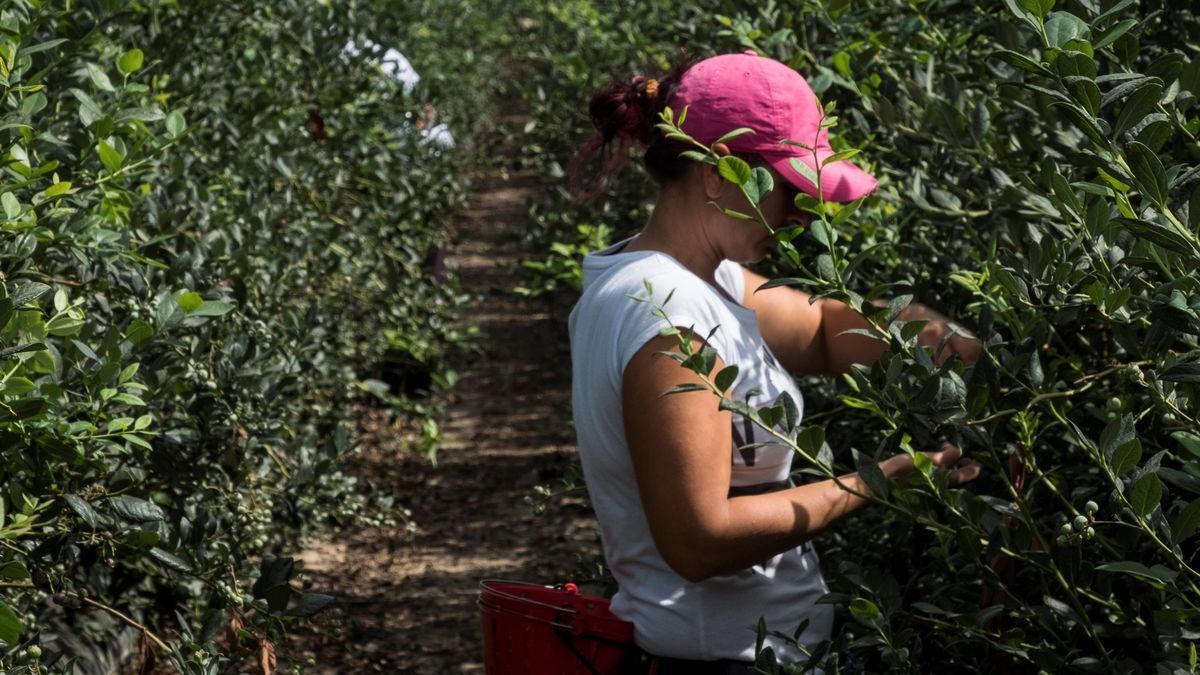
column 218, row 230
column 1040, row 183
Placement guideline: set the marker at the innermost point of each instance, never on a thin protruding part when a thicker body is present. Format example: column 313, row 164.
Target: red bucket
column 541, row 630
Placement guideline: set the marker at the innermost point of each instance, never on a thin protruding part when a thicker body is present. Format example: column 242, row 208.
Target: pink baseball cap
column 747, row 90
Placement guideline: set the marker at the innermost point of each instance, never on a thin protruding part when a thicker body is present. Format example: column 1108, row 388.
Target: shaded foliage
column 215, row 225
column 1039, row 173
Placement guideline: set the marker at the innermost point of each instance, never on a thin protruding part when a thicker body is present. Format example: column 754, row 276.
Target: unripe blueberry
column 34, row 652
column 1114, row 404
column 1091, row 507
column 1081, row 522
column 1089, row 533
column 1066, row 529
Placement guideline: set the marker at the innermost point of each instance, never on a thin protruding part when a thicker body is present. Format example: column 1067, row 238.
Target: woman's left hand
column 967, row 348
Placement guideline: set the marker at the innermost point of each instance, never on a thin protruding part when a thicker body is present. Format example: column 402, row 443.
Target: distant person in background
column 396, row 65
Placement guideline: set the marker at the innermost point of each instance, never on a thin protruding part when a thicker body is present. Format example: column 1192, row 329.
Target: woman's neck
column 675, row 229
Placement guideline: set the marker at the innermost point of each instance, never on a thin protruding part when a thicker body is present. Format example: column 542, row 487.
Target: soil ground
column 407, row 596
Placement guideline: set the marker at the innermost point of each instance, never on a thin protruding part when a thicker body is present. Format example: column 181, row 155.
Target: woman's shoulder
column 644, row 276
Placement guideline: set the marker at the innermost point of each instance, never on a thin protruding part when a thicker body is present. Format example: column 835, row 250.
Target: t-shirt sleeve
column 689, row 303
column 731, row 277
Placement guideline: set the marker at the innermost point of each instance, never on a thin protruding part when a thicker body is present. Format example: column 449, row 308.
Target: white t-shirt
column 714, row 618
column 393, row 63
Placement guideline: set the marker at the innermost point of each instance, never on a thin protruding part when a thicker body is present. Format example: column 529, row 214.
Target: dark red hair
column 624, row 113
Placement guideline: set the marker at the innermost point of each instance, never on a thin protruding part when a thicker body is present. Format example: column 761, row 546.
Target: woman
column 703, row 537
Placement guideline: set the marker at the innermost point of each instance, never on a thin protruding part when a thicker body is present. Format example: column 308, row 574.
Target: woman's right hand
column 950, row 458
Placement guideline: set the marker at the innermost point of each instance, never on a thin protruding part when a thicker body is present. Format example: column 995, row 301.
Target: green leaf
column 864, row 611
column 697, row 156
column 138, row 510
column 1145, row 494
column 139, row 331
column 1148, row 172
column 57, row 189
column 13, row 570
column 820, row 231
column 804, row 170
column 142, row 114
column 683, row 389
column 1189, row 441
column 1159, row 234
column 760, row 186
column 175, row 123
column 128, row 372
column 41, row 47
column 1186, row 523
column 1063, row 27
column 1158, row 573
column 99, row 77
column 12, row 206
column 309, row 604
column 981, row 120
column 839, row 157
column 11, row 627
column 725, row 379
column 1083, row 120
column 1085, row 92
column 273, row 572
column 1128, row 87
column 64, row 325
column 740, row 131
column 1126, row 457
column 213, row 308
column 735, row 170
column 1113, row 32
column 1117, row 433
column 170, row 560
column 1039, row 7
column 872, row 475
column 1113, row 11
column 1137, row 106
column 189, row 301
column 18, row 386
column 841, row 63
column 130, row 61
column 109, row 156
column 1023, row 62
column 21, row 409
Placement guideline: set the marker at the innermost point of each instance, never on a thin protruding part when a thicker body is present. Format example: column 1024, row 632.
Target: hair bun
column 623, row 110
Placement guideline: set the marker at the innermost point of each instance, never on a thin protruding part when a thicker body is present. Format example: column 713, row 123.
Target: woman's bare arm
column 681, row 447
column 807, row 337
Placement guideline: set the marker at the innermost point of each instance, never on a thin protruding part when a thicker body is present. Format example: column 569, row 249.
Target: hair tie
column 651, row 89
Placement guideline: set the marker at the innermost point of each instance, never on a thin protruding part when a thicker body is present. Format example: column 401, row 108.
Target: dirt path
column 407, row 599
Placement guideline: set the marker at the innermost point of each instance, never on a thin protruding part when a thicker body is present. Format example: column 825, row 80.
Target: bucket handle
column 566, row 634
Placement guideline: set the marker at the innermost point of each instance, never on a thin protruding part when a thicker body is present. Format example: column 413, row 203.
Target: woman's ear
column 714, row 185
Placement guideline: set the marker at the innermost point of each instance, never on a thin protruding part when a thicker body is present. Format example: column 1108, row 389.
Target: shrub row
column 1039, row 177
column 215, row 225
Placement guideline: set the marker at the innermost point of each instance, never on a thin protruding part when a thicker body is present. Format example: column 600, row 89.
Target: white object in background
column 393, row 63
column 396, row 65
column 440, row 134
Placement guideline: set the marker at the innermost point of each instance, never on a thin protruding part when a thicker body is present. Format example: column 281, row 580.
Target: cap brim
column 841, row 181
